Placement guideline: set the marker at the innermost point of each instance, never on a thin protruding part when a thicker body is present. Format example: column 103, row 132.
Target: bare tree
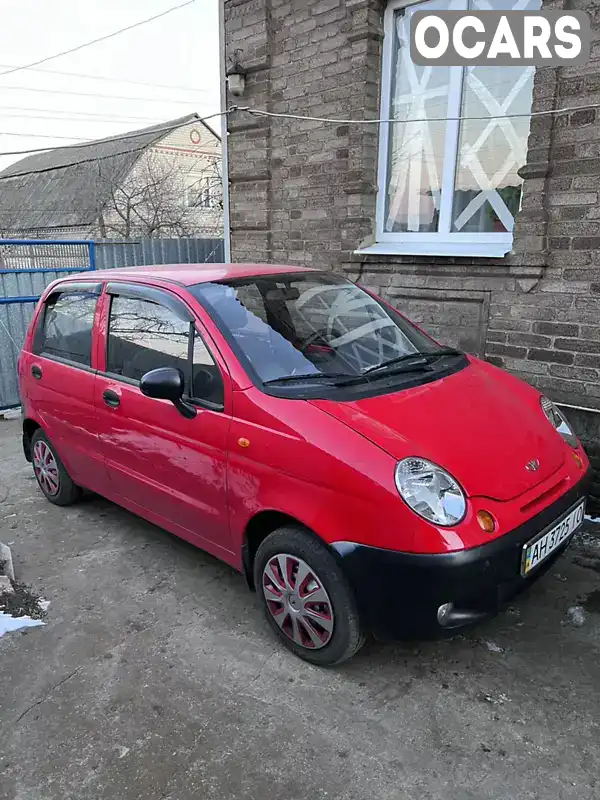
column 152, row 201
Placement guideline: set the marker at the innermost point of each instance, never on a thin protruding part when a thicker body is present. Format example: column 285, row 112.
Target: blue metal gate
column 26, row 268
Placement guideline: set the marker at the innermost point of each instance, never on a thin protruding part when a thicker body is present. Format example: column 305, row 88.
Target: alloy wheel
column 298, row 601
column 46, row 468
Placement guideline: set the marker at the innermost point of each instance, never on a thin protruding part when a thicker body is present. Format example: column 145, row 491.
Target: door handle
column 111, row 398
column 36, row 371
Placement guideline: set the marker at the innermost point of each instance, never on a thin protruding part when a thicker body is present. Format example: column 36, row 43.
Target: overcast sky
column 180, row 49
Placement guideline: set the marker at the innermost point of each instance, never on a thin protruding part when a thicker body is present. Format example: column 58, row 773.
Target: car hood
column 480, row 424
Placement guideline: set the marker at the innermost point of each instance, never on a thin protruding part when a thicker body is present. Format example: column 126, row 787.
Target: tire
column 325, row 630
column 51, row 475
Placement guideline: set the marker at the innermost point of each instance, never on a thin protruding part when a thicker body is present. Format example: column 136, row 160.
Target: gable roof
column 64, row 187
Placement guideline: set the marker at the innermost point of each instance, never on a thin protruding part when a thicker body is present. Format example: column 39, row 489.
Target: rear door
column 58, row 378
column 158, row 460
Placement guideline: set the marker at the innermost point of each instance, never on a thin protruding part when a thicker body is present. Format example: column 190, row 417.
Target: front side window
column 318, row 330
column 144, row 335
column 448, row 172
column 65, row 327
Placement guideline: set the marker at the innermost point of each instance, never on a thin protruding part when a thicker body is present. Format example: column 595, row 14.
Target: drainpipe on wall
column 224, row 143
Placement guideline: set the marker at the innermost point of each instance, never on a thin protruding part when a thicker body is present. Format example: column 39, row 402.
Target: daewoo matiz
column 287, row 421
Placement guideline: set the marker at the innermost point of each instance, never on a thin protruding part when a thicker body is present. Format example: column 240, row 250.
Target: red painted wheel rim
column 298, row 602
column 46, row 469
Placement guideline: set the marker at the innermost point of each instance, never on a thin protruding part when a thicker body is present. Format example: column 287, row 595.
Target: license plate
column 540, row 548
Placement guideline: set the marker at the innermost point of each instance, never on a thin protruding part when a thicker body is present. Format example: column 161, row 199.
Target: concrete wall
column 305, row 192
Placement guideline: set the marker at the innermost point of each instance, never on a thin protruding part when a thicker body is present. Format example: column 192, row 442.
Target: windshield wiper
column 409, row 362
column 412, row 361
column 337, row 378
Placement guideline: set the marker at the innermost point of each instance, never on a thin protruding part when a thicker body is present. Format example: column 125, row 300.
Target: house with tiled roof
column 164, row 180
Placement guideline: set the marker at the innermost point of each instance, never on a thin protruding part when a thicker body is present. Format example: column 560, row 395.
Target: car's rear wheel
column 50, row 473
column 306, row 598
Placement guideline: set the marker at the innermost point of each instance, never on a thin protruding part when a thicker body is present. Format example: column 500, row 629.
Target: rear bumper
column 398, row 594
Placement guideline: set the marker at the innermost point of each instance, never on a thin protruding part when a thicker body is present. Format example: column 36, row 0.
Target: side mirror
column 167, row 383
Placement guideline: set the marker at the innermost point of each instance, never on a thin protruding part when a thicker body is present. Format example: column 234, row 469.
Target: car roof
column 189, row 274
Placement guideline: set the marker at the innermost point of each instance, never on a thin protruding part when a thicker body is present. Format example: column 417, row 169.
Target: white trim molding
column 494, row 245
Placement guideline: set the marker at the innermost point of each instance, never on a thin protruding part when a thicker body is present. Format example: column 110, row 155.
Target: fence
column 115, row 253
column 28, row 266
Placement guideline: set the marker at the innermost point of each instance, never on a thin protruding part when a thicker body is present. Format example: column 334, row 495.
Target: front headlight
column 430, row 491
column 558, row 421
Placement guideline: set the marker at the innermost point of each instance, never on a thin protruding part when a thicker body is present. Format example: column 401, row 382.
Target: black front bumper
column 398, row 594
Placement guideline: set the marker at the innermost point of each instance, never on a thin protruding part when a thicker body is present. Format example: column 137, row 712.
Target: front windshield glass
column 308, row 324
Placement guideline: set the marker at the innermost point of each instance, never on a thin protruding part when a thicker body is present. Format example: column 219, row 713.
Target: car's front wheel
column 306, row 597
column 51, row 475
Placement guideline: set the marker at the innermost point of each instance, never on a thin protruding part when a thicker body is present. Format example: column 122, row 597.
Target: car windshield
column 309, row 326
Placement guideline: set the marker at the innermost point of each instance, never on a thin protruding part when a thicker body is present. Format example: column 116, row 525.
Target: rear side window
column 65, row 327
column 144, row 335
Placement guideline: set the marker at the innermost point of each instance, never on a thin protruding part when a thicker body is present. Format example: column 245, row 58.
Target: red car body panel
column 329, row 465
column 478, row 416
column 159, row 461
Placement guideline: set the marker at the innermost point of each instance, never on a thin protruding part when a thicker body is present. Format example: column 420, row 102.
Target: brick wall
column 304, row 192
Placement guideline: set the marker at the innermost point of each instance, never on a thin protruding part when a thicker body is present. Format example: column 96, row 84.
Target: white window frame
column 443, row 243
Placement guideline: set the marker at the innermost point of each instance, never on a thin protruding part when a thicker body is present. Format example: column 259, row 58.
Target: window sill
column 451, row 249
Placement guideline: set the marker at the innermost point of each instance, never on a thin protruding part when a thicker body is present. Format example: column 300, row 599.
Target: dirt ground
column 156, row 677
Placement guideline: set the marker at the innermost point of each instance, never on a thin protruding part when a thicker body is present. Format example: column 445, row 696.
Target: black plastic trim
column 75, row 287
column 139, row 291
column 66, row 361
column 207, row 405
column 113, row 376
column 398, row 593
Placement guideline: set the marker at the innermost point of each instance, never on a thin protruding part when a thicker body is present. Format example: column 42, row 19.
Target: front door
column 58, row 379
column 162, row 465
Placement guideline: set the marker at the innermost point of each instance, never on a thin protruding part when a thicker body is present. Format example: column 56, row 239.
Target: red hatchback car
column 361, row 476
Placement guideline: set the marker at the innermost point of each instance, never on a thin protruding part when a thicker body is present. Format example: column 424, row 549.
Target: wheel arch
column 258, row 528
column 30, row 426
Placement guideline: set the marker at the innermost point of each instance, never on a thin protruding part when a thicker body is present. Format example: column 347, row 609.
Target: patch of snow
column 6, row 557
column 43, row 604
column 8, row 623
column 496, row 701
column 592, row 519
column 123, row 751
column 494, row 648
column 10, row 413
column 576, row 616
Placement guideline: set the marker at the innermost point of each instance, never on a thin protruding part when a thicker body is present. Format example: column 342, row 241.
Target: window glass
column 487, row 189
column 144, row 336
column 416, row 149
column 250, row 297
column 451, row 161
column 207, row 383
column 317, row 324
column 66, row 327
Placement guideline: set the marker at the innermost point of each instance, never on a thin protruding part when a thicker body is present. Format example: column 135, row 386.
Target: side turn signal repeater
column 577, row 460
column 486, row 521
column 243, row 442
